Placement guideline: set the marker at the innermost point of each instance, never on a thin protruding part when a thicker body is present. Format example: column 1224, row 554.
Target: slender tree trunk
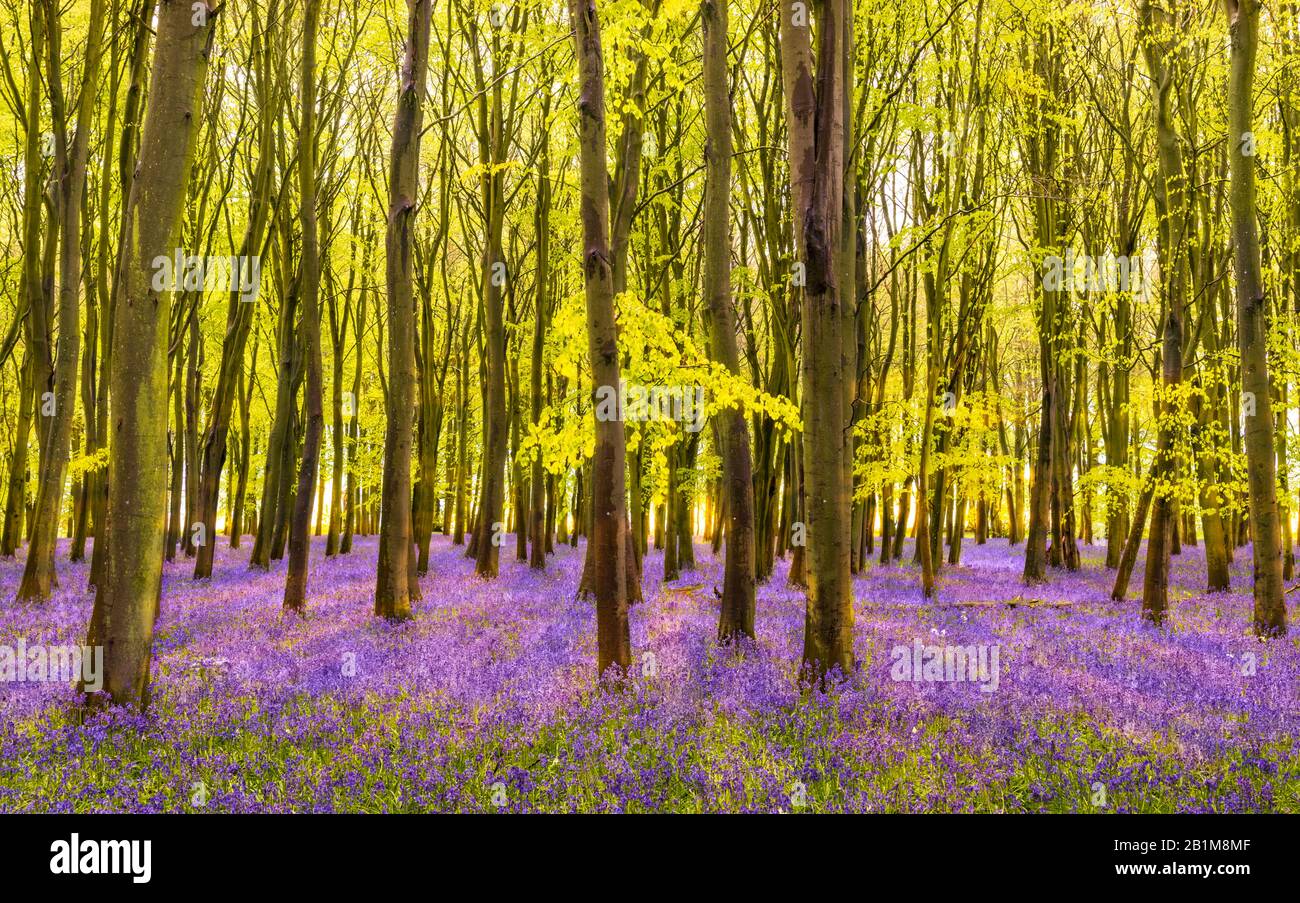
column 607, row 546
column 538, row 527
column 1216, row 542
column 393, row 589
column 1173, row 234
column 279, row 439
column 239, row 324
column 238, row 500
column 295, row 584
column 70, row 164
column 1129, row 556
column 177, row 466
column 355, row 515
column 736, row 617
column 338, row 428
column 127, row 162
column 33, row 378
column 190, row 459
column 126, row 604
column 816, row 121
column 462, row 438
column 1252, row 325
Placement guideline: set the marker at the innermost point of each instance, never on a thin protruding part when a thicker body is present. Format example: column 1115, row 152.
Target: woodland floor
column 485, row 701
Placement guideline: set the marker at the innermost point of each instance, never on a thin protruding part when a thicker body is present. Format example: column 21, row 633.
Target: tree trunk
column 817, row 166
column 239, row 324
column 126, row 604
column 1129, row 556
column 393, row 589
column 355, row 515
column 1252, row 327
column 1173, row 235
column 608, row 544
column 736, row 617
column 70, row 165
column 295, row 584
column 538, row 528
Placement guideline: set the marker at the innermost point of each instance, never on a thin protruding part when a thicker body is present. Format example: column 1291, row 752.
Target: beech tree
column 816, row 128
column 295, row 587
column 126, row 603
column 394, row 589
column 70, row 162
column 737, row 617
column 1270, row 612
column 608, row 541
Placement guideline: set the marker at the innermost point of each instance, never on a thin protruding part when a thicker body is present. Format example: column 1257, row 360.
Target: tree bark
column 393, row 589
column 70, row 166
column 736, row 617
column 295, row 584
column 1252, row 325
column 816, row 126
column 538, row 528
column 239, row 323
column 607, row 546
column 126, row 604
